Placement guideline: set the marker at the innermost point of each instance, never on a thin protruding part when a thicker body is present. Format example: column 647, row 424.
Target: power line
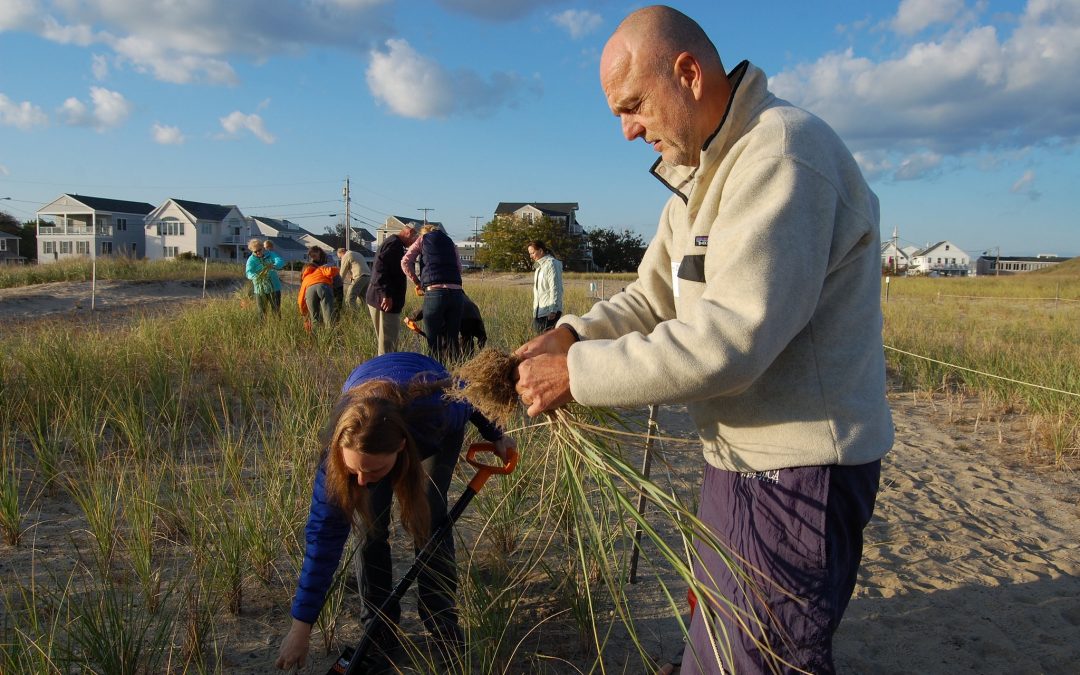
column 274, row 206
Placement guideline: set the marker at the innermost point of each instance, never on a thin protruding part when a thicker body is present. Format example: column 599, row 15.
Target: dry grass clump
column 489, row 380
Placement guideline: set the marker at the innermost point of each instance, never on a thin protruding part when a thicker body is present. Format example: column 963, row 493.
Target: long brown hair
column 373, row 418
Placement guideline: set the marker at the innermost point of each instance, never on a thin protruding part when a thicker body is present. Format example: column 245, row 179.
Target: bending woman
column 392, row 433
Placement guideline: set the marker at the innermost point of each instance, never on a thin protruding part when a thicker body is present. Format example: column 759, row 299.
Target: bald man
column 756, row 305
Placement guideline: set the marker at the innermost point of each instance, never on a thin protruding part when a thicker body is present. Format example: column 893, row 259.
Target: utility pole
column 348, row 216
column 997, row 261
column 895, row 251
column 425, row 214
column 476, row 227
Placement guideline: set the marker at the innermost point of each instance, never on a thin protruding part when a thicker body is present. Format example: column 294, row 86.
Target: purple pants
column 799, row 531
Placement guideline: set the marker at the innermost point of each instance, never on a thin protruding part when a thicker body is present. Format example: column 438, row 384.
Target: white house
column 943, row 259
column 212, row 231
column 559, row 212
column 894, row 258
column 394, row 224
column 74, row 226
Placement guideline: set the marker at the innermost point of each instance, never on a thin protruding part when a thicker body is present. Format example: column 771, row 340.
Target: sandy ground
column 972, row 562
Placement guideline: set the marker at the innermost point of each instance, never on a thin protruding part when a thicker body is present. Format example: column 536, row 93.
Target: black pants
column 437, row 582
column 543, row 323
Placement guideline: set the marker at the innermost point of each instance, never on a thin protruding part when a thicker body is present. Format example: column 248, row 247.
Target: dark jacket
column 440, row 260
column 387, row 279
column 327, row 525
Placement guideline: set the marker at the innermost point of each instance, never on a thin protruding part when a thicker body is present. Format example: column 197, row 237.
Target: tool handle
column 485, row 471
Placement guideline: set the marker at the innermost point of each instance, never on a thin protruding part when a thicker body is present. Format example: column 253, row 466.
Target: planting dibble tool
column 349, row 663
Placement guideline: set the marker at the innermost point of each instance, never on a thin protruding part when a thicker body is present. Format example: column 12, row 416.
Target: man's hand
column 557, row 341
column 385, row 304
column 294, row 648
column 543, row 382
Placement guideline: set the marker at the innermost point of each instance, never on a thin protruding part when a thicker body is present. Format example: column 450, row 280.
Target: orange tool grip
column 485, row 471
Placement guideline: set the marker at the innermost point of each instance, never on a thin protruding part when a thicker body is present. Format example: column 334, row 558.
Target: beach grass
column 176, row 455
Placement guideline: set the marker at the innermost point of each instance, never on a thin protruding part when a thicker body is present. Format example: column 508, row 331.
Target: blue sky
column 964, row 115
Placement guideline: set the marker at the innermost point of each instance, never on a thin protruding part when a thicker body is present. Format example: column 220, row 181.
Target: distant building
column 210, row 231
column 78, row 226
column 941, row 259
column 9, row 248
column 1011, row 264
column 564, row 213
column 467, row 253
column 894, row 258
column 394, row 224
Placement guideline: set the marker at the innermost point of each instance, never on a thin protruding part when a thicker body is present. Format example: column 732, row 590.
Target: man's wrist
column 570, row 329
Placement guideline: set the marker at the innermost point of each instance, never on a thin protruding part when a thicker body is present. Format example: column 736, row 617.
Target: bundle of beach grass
column 598, row 486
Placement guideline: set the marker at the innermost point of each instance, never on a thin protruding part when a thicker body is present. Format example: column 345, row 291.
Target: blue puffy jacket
column 327, row 525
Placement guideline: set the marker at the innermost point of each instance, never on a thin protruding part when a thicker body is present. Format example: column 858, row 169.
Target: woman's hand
column 503, row 445
column 294, row 648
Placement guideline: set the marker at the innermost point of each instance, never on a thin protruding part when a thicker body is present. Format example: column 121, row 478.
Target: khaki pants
column 387, row 328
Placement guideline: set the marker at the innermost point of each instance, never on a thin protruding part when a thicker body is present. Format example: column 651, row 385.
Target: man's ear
column 687, row 71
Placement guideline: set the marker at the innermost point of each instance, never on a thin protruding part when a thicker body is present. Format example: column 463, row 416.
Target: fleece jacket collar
column 749, row 94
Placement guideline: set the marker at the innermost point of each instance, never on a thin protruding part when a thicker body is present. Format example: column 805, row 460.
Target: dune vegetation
column 155, row 478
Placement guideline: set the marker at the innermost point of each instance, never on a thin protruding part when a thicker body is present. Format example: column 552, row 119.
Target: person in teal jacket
column 262, row 267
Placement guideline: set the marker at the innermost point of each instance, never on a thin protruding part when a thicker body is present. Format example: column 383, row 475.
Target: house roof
column 280, row 225
column 924, row 251
column 287, row 244
column 6, row 235
column 114, row 205
column 547, row 208
column 1027, row 258
column 413, row 221
column 203, row 211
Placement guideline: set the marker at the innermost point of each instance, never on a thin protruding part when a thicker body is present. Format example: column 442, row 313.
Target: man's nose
column 631, row 128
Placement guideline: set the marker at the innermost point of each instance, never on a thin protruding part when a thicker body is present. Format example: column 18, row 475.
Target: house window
column 48, row 247
column 65, row 247
column 121, row 224
column 170, row 226
column 82, row 247
column 106, row 248
column 134, row 248
column 172, row 251
column 527, row 217
column 206, row 228
column 3, row 244
column 206, row 251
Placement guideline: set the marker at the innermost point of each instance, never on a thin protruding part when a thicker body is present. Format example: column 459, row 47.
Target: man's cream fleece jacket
column 758, row 301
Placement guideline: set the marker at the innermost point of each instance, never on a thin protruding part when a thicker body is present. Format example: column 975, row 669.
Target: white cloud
column 166, row 135
column 73, row 112
column 75, row 34
column 578, row 23
column 496, row 10
column 970, row 92
column 1025, row 185
column 110, row 110
column 4, row 171
column 236, row 121
column 24, row 116
column 914, row 15
column 100, row 67
column 17, row 14
column 918, row 165
column 194, row 41
column 1023, row 182
column 412, row 85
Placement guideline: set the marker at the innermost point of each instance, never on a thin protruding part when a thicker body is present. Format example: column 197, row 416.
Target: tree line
column 506, row 240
